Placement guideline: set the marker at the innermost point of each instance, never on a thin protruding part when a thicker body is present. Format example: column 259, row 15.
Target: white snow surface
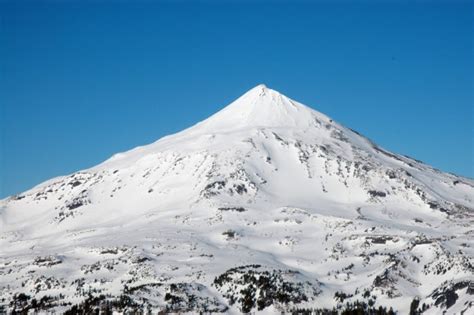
column 267, row 182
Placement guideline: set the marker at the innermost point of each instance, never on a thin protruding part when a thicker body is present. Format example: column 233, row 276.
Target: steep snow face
column 267, row 205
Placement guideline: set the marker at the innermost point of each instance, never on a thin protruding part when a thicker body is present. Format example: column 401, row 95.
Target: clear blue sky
column 82, row 81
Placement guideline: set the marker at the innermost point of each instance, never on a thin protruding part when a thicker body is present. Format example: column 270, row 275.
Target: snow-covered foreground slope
column 266, row 206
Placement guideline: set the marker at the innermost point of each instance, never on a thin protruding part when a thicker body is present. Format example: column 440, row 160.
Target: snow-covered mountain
column 265, row 206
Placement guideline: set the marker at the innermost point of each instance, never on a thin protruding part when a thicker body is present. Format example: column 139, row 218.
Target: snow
column 265, row 181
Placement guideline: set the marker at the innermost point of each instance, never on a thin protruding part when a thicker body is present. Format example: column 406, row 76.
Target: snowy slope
column 265, row 206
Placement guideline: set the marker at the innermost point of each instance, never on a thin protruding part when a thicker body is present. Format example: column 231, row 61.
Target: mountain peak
column 260, row 107
column 261, row 86
column 261, row 90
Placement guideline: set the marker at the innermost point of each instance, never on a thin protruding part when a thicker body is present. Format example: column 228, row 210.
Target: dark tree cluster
column 252, row 288
column 355, row 308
